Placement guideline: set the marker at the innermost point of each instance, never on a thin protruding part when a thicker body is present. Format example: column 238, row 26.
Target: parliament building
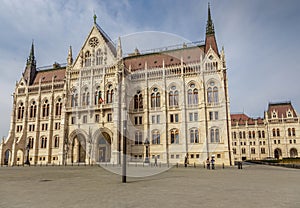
column 168, row 105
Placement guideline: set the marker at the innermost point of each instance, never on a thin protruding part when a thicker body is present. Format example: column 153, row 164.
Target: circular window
column 173, row 88
column 212, row 83
column 93, row 42
column 192, row 85
column 155, row 89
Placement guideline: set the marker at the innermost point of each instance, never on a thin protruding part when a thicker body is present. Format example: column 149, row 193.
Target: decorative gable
column 97, row 50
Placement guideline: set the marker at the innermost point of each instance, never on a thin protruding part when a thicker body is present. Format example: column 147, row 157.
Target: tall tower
column 30, row 69
column 210, row 39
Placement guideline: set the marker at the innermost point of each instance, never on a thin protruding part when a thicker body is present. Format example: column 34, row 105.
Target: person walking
column 155, row 161
column 207, row 164
column 212, row 163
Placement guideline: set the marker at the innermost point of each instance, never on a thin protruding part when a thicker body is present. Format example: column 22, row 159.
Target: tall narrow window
column 138, row 101
column 278, row 132
column 32, row 111
column 98, row 96
column 215, row 95
column 87, row 57
column 173, row 97
column 214, row 135
column 209, row 95
column 155, row 137
column 58, row 107
column 74, row 98
column 85, row 97
column 109, row 94
column 30, row 142
column 194, row 136
column 274, row 132
column 174, row 136
column 21, row 111
column 56, row 142
column 293, row 132
column 43, row 142
column 289, row 132
column 138, row 138
column 45, row 112
column 155, row 98
column 99, row 57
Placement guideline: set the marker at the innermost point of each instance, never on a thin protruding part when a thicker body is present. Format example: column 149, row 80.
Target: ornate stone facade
column 175, row 100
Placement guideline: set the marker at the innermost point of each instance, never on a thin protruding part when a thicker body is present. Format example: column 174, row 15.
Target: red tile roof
column 242, row 118
column 281, row 109
column 47, row 75
column 171, row 58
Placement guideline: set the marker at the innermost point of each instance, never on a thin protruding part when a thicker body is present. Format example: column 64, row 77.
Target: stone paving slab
column 253, row 186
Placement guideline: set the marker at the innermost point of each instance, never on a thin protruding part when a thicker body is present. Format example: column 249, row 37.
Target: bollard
column 204, row 165
column 194, row 165
column 223, row 166
column 177, row 165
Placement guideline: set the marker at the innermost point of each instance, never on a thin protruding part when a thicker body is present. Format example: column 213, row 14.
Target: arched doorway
column 7, row 157
column 103, row 148
column 293, row 152
column 20, row 157
column 78, row 149
column 277, row 153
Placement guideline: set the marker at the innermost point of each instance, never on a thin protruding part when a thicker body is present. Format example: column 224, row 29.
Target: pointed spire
column 119, row 48
column 31, row 58
column 70, row 57
column 210, row 25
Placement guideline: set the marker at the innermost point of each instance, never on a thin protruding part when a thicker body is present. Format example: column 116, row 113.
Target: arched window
column 192, row 95
column 58, row 107
column 74, row 98
column 155, row 98
column 56, row 142
column 138, row 101
column 173, row 97
column 155, row 137
column 249, row 135
column 289, row 132
column 194, row 136
column 174, row 136
column 253, row 134
column 243, row 150
column 274, row 132
column 214, row 135
column 278, row 132
column 293, row 132
column 234, row 151
column 234, row 135
column 43, row 142
column 240, row 135
column 99, row 57
column 45, row 112
column 215, row 95
column 30, row 142
column 109, row 94
column 21, row 111
column 209, row 95
column 87, row 61
column 98, row 96
column 32, row 111
column 252, row 150
column 263, row 134
column 244, row 134
column 138, row 138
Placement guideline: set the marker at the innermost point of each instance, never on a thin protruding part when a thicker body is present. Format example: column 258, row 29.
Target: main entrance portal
column 103, row 148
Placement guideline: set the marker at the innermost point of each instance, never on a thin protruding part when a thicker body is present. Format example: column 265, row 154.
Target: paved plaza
column 253, row 186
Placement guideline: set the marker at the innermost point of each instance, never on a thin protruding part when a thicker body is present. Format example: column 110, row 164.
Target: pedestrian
column 207, row 164
column 212, row 163
column 186, row 160
column 155, row 161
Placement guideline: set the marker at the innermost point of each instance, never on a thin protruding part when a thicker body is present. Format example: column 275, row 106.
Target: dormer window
column 289, row 114
column 274, row 114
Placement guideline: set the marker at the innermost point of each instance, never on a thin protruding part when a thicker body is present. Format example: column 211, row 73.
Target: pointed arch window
column 289, row 132
column 192, row 95
column 45, row 109
column 274, row 132
column 194, row 136
column 74, row 98
column 109, row 94
column 58, row 107
column 98, row 96
column 155, row 98
column 155, row 137
column 43, row 142
column 138, row 138
column 173, row 97
column 56, row 141
column 32, row 111
column 214, row 135
column 99, row 57
column 174, row 136
column 138, row 101
column 215, row 95
column 21, row 111
column 87, row 58
column 30, row 142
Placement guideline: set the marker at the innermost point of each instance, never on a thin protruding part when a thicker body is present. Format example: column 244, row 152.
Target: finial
column 70, row 57
column 95, row 18
column 210, row 25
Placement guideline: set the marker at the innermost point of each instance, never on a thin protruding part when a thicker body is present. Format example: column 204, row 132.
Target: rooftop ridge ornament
column 95, row 18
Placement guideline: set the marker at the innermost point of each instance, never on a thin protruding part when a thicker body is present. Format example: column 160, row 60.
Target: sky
column 261, row 40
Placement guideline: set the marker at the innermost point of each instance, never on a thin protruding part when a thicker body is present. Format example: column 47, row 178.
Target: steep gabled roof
column 281, row 109
column 46, row 76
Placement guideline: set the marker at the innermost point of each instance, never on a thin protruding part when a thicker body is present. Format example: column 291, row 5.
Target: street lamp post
column 124, row 152
column 146, row 143
column 27, row 157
